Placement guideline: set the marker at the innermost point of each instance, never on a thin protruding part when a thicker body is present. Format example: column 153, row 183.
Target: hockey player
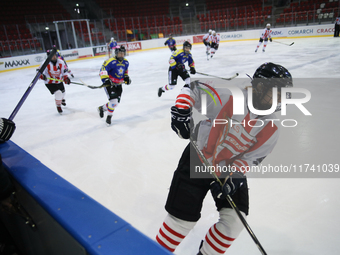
column 206, row 41
column 238, row 146
column 63, row 59
column 113, row 73
column 215, row 42
column 113, row 45
column 265, row 35
column 337, row 27
column 177, row 68
column 171, row 42
column 53, row 75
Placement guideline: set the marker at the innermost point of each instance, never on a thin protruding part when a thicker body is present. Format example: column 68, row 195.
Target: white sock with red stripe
column 259, row 45
column 222, row 234
column 58, row 95
column 265, row 44
column 173, row 231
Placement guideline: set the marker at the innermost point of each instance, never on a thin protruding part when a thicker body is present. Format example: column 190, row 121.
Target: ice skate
column 59, row 110
column 108, row 120
column 160, row 91
column 101, row 111
column 63, row 102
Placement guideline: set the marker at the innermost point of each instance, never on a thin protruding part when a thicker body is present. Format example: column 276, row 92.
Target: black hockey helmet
column 120, row 49
column 170, row 35
column 266, row 77
column 186, row 44
column 48, row 52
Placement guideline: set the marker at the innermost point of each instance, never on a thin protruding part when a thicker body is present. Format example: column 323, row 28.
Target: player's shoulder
column 177, row 52
column 126, row 61
column 112, row 60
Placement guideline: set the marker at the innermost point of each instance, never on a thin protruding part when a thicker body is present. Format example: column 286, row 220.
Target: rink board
column 93, row 226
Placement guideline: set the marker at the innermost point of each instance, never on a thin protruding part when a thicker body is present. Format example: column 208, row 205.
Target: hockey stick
column 82, row 84
column 284, row 43
column 229, row 199
column 34, row 81
column 227, row 79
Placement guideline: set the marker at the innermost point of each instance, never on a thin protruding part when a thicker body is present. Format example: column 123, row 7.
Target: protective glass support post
column 74, row 35
column 88, row 29
column 58, row 35
column 67, row 44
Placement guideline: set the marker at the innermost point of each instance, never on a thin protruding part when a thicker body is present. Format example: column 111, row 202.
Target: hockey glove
column 180, row 122
column 67, row 80
column 270, row 39
column 165, row 43
column 127, row 80
column 174, row 48
column 192, row 70
column 230, row 186
column 7, row 128
column 43, row 77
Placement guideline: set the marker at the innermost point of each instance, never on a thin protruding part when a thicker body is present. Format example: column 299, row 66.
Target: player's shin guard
column 265, row 45
column 111, row 105
column 173, row 231
column 222, row 234
column 58, row 95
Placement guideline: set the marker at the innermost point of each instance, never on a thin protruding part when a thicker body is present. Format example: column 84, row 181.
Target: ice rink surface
column 128, row 167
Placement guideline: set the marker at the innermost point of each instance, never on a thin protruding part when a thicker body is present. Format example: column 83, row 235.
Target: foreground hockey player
column 113, row 73
column 177, row 67
column 215, row 42
column 264, row 37
column 55, row 72
column 206, row 41
column 237, row 146
column 171, row 42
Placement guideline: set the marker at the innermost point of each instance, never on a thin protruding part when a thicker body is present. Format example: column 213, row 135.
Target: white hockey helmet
column 112, row 38
column 268, row 25
column 210, row 31
column 214, row 32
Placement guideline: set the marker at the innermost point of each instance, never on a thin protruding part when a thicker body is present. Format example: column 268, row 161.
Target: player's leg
column 259, row 44
column 114, row 95
column 213, row 50
column 184, row 204
column 58, row 90
column 265, row 44
column 172, row 76
column 185, row 76
column 222, row 234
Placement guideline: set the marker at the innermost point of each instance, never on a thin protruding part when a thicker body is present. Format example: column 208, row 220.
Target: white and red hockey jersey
column 337, row 21
column 206, row 37
column 215, row 38
column 241, row 143
column 58, row 71
column 266, row 33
